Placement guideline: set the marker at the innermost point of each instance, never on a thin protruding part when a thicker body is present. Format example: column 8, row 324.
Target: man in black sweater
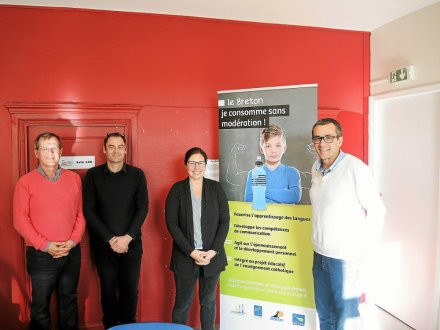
column 115, row 202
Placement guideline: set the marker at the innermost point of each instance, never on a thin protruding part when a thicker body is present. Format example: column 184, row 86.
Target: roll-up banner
column 265, row 160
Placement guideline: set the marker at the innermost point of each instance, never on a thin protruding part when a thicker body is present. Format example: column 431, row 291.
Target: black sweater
column 115, row 204
column 214, row 221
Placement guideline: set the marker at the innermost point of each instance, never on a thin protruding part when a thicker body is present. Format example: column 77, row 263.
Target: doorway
column 82, row 129
column 405, row 157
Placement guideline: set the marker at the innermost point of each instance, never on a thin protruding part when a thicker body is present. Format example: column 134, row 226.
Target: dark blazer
column 214, row 221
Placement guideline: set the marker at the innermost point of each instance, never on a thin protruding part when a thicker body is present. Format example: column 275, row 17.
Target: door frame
column 24, row 115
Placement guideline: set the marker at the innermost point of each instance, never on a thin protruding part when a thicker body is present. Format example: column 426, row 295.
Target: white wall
column 411, row 289
column 413, row 39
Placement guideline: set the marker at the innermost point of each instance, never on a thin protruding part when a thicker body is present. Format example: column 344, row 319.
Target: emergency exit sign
column 406, row 73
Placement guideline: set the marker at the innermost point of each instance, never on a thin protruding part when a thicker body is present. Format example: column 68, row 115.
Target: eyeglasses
column 194, row 164
column 53, row 150
column 326, row 138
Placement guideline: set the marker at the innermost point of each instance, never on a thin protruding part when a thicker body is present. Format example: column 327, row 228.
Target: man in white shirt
column 347, row 214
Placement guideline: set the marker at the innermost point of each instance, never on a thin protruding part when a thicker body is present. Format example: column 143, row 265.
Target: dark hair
column 46, row 136
column 326, row 121
column 114, row 134
column 194, row 151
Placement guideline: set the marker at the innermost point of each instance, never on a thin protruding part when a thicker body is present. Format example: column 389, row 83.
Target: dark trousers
column 119, row 273
column 48, row 273
column 184, row 296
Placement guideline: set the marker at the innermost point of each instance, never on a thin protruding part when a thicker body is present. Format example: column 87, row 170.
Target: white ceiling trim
column 359, row 15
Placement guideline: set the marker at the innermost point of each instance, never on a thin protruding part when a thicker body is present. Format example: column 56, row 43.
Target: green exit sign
column 403, row 74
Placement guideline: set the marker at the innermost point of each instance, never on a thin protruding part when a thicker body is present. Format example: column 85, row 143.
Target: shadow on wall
column 10, row 311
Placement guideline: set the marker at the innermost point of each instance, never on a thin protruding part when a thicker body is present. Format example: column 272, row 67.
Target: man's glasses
column 52, row 150
column 326, row 138
column 194, row 164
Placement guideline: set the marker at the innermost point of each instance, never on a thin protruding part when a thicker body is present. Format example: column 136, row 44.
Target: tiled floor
column 373, row 318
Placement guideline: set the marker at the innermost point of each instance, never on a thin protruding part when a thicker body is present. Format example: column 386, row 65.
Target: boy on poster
column 283, row 183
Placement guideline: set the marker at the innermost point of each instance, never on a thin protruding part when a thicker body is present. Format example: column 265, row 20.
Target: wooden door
column 82, row 128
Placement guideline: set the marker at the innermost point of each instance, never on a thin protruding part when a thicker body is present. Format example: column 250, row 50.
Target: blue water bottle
column 258, row 185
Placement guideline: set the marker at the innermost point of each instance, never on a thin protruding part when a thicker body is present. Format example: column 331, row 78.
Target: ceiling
column 361, row 15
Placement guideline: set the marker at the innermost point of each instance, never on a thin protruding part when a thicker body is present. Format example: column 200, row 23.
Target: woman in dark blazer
column 197, row 217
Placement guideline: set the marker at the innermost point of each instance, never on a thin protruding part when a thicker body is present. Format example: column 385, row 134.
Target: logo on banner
column 298, row 319
column 258, row 310
column 238, row 309
column 278, row 316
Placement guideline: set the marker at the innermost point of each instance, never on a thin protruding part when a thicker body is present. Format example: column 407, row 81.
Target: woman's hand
column 199, row 257
column 202, row 258
column 209, row 255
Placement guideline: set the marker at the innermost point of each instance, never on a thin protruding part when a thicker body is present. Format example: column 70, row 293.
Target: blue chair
column 151, row 326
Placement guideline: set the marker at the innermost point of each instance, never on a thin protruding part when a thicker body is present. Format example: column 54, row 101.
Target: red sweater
column 48, row 211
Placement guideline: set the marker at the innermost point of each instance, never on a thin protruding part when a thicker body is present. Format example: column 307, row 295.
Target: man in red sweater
column 48, row 214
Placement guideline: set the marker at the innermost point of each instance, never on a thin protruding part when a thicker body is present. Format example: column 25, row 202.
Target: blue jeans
column 337, row 292
column 118, row 273
column 184, row 296
column 47, row 274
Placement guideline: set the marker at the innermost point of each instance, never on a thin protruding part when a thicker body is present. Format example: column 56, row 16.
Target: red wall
column 172, row 66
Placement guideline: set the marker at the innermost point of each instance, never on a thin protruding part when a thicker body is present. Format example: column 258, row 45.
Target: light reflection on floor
column 375, row 318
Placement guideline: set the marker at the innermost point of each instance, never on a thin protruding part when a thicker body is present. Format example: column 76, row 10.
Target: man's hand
column 119, row 244
column 60, row 249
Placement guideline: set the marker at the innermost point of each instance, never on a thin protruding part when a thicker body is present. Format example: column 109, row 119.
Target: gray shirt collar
column 55, row 178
